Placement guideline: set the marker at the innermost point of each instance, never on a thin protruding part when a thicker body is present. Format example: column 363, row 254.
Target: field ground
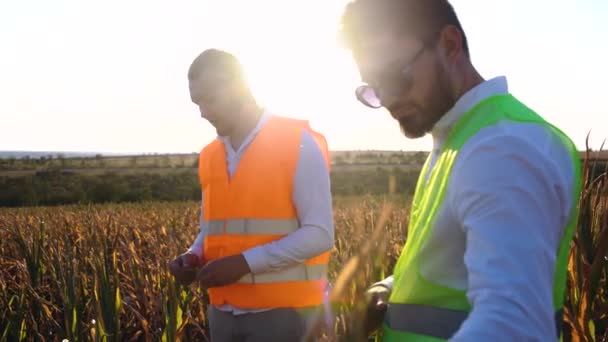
column 82, row 272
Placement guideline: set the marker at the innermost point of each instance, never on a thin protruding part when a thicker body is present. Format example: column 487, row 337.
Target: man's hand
column 376, row 307
column 183, row 268
column 223, row 271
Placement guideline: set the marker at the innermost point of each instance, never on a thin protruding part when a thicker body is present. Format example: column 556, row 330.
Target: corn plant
column 586, row 308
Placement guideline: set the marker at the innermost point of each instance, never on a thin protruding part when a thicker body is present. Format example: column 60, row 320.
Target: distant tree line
column 59, row 188
column 98, row 161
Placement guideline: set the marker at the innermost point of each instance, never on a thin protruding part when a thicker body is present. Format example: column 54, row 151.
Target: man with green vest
column 485, row 258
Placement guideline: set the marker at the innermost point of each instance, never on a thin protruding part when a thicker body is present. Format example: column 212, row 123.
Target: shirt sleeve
column 386, row 282
column 197, row 246
column 513, row 200
column 313, row 202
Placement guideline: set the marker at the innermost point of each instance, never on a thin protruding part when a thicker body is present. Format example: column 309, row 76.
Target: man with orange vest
column 266, row 220
column 495, row 207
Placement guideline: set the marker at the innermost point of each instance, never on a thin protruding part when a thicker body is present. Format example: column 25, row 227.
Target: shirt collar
column 261, row 121
column 494, row 86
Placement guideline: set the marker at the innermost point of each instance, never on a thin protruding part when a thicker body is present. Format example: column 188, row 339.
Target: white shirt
column 497, row 234
column 312, row 199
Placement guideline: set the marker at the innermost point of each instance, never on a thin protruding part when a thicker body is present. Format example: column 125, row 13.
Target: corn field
column 99, row 272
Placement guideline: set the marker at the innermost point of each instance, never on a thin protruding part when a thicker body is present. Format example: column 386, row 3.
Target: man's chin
column 412, row 134
column 221, row 132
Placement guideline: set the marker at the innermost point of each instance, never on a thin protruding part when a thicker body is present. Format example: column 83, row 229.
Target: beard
column 437, row 105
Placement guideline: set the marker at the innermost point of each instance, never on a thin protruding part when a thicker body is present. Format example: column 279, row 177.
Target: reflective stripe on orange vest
column 268, row 227
column 252, row 226
column 296, row 273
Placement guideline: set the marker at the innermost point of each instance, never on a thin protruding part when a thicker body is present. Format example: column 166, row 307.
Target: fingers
column 176, row 263
column 184, row 262
column 189, row 260
column 381, row 305
column 378, row 297
column 182, row 274
column 174, row 266
column 373, row 300
column 378, row 303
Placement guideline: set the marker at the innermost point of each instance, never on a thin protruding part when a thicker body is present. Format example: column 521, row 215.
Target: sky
column 111, row 75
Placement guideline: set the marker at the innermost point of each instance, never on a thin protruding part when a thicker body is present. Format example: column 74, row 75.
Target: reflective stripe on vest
column 297, row 273
column 301, row 272
column 252, row 226
column 433, row 321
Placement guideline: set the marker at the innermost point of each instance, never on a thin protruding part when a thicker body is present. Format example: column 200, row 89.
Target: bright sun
column 293, row 62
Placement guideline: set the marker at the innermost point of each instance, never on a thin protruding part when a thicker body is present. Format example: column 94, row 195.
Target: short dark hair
column 218, row 60
column 423, row 18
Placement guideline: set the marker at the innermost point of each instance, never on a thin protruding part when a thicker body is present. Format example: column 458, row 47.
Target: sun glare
column 296, row 65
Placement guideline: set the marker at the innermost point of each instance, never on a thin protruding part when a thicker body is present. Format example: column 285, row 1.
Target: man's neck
column 469, row 80
column 249, row 119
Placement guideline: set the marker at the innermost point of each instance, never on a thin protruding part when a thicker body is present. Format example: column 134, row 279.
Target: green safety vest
column 420, row 309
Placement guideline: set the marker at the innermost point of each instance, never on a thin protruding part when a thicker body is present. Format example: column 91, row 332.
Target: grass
column 99, row 272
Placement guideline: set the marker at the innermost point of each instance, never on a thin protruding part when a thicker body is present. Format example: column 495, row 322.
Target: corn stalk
column 586, row 307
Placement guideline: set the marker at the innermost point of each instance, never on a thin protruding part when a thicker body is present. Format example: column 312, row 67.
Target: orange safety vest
column 254, row 208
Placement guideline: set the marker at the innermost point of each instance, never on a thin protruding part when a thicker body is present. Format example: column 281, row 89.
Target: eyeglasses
column 389, row 80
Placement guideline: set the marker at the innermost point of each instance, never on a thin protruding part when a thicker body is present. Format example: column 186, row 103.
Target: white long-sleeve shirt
column 507, row 206
column 313, row 203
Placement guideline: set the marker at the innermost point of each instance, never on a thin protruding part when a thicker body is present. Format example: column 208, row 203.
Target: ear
column 450, row 44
